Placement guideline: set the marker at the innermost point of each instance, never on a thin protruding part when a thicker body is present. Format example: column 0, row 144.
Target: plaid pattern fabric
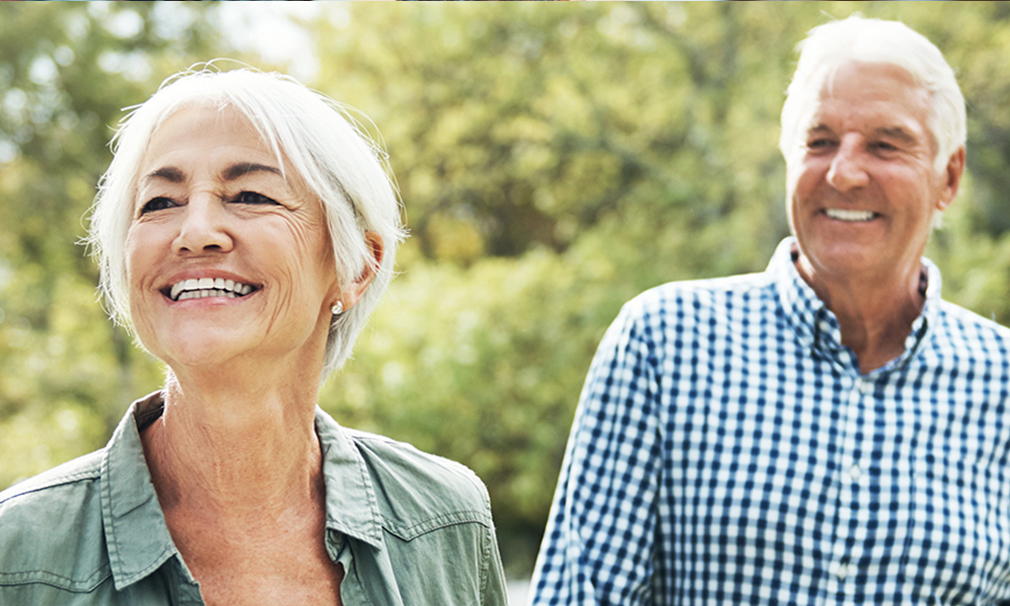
column 726, row 450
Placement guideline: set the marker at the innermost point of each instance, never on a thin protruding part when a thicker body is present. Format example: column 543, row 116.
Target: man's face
column 862, row 188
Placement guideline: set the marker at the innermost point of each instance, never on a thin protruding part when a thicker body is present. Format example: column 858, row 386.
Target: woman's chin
column 200, row 355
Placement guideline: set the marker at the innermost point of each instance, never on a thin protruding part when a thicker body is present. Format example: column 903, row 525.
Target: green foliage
column 554, row 160
column 65, row 371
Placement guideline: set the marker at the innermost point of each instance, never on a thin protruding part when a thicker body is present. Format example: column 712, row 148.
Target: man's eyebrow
column 819, row 129
column 244, row 168
column 897, row 132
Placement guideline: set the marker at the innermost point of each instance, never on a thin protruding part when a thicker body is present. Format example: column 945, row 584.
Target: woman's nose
column 204, row 226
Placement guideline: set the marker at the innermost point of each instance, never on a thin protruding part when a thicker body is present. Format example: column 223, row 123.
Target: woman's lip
column 197, row 275
column 208, row 273
column 214, row 300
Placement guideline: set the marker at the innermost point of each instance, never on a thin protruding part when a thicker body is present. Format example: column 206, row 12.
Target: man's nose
column 848, row 167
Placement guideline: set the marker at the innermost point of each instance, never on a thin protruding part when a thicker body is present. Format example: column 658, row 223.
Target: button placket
column 850, row 474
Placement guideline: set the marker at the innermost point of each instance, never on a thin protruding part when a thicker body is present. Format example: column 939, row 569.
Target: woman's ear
column 356, row 289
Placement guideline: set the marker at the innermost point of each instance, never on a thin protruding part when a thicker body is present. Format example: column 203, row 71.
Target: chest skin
column 284, row 562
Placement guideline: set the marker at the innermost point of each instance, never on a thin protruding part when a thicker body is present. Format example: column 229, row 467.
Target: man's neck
column 875, row 313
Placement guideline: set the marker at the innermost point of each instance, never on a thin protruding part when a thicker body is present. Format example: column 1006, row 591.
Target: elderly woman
column 245, row 230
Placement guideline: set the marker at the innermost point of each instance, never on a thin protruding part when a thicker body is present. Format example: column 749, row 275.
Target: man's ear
column 952, row 179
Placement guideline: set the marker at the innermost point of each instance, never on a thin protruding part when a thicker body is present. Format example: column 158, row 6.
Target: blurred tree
column 554, row 161
column 66, row 373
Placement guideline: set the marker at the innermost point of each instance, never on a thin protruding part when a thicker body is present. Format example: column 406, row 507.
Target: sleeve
column 495, row 591
column 598, row 544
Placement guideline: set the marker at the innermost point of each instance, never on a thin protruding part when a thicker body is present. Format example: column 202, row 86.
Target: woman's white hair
column 345, row 169
column 836, row 43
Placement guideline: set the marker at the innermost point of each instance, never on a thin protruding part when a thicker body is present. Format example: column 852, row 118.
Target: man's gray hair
column 833, row 44
column 320, row 140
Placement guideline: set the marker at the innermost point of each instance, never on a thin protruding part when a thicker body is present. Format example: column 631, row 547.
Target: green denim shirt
column 409, row 528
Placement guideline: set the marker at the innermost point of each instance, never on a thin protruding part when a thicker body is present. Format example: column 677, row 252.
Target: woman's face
column 225, row 257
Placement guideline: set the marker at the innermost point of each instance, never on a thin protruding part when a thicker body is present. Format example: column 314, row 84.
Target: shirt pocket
column 440, row 560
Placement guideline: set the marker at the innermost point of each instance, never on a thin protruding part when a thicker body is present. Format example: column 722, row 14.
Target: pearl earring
column 338, row 308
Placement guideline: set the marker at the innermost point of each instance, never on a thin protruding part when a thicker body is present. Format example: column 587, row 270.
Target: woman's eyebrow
column 174, row 175
column 244, row 168
column 168, row 173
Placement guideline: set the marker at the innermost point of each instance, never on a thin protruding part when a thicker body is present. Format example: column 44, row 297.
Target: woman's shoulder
column 36, row 495
column 431, row 486
column 51, row 528
column 435, row 516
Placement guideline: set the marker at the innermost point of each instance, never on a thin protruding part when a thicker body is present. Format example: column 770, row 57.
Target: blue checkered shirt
column 727, row 450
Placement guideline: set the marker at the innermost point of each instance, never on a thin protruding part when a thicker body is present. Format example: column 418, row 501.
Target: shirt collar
column 136, row 533
column 351, row 505
column 817, row 327
column 135, row 530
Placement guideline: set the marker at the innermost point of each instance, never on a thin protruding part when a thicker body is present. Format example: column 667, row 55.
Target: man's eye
column 819, row 143
column 251, row 197
column 884, row 146
column 155, row 204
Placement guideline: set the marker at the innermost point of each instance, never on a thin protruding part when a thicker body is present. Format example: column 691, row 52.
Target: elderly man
column 830, row 430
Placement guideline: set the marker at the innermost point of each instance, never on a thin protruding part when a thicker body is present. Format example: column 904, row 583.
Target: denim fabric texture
column 409, row 528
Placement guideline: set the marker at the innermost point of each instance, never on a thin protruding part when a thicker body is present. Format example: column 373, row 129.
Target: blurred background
column 554, row 160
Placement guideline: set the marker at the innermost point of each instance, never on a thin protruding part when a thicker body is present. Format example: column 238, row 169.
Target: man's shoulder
column 685, row 297
column 964, row 327
column 421, row 486
column 51, row 528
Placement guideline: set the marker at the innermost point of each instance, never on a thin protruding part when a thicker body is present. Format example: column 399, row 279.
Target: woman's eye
column 251, row 197
column 819, row 143
column 155, row 204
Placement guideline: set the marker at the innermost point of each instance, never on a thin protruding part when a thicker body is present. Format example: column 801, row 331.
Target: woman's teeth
column 208, row 287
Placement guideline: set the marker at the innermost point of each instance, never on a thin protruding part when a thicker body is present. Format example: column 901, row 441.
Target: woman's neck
column 237, row 450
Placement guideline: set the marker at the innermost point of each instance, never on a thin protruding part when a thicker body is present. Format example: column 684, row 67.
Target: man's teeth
column 208, row 287
column 849, row 215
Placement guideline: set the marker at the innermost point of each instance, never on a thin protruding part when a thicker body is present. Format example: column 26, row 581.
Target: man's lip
column 851, row 213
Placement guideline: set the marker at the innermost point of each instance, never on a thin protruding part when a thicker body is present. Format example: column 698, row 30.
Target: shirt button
column 865, row 386
column 855, row 473
column 824, row 326
column 843, row 571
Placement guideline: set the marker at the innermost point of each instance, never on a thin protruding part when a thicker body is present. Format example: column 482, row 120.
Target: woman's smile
column 228, row 251
column 208, row 287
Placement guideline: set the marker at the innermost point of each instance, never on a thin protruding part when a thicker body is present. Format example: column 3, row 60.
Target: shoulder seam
column 56, row 482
